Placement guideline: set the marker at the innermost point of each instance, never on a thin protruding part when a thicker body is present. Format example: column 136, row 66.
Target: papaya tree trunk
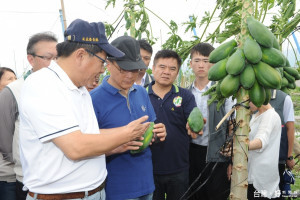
column 239, row 178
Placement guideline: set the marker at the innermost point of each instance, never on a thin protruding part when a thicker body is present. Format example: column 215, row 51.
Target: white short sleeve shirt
column 52, row 106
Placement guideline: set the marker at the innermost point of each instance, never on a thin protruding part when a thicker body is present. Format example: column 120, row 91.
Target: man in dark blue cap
column 61, row 148
column 117, row 102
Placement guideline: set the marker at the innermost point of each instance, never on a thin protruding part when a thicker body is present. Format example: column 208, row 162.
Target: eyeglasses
column 47, row 58
column 102, row 60
column 123, row 71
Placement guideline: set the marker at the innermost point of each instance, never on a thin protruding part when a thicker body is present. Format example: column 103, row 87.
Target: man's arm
column 77, row 145
column 8, row 116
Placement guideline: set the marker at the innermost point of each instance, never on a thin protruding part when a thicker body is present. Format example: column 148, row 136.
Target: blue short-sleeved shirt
column 129, row 176
column 172, row 155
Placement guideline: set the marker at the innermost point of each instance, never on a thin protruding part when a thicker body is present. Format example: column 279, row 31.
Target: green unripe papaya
column 236, row 63
column 276, row 44
column 218, row 70
column 291, row 71
column 291, row 85
column 267, row 76
column 268, row 96
column 273, row 57
column 252, row 50
column 247, row 77
column 285, row 90
column 147, row 139
column 195, row 120
column 284, row 82
column 257, row 94
column 223, row 51
column 260, row 32
column 230, row 85
column 289, row 77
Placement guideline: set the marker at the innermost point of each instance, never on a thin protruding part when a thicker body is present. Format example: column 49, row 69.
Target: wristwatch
column 290, row 158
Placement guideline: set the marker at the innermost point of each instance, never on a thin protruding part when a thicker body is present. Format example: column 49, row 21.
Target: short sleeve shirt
column 129, row 176
column 52, row 106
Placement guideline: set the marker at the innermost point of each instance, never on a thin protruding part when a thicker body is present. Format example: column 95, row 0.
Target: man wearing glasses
column 117, row 102
column 62, row 150
column 41, row 49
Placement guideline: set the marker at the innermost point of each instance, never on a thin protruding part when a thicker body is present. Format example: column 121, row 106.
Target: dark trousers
column 21, row 195
column 253, row 194
column 216, row 185
column 7, row 190
column 173, row 186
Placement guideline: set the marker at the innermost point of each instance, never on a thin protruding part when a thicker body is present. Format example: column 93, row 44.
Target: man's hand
column 193, row 134
column 290, row 164
column 229, row 171
column 137, row 128
column 133, row 145
column 159, row 132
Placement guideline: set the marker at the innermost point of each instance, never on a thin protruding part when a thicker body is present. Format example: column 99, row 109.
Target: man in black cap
column 117, row 102
column 61, row 148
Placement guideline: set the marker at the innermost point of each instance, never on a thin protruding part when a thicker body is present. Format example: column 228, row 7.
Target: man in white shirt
column 62, row 152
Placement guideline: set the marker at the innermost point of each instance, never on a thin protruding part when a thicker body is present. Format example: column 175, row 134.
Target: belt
column 74, row 195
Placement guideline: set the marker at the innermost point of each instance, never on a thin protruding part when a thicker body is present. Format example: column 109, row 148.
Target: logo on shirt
column 143, row 108
column 177, row 101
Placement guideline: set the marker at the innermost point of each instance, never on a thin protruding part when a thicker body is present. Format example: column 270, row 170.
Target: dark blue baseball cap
column 91, row 33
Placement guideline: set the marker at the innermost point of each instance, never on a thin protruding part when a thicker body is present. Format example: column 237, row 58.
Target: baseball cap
column 91, row 33
column 132, row 59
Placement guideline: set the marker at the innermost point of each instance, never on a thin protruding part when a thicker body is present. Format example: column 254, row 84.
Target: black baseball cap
column 91, row 33
column 132, row 59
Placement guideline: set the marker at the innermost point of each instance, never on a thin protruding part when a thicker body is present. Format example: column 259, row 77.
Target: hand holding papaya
column 159, row 132
column 137, row 128
column 193, row 134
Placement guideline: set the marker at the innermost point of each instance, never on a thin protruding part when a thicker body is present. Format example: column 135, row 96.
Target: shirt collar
column 204, row 89
column 174, row 88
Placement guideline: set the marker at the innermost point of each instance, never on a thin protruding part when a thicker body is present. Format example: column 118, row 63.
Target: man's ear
column 30, row 59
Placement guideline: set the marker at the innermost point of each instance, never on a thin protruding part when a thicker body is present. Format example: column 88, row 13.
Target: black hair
column 4, row 69
column 145, row 45
column 202, row 48
column 45, row 36
column 165, row 53
column 66, row 48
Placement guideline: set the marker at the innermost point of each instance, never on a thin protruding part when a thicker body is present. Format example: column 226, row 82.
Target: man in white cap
column 61, row 148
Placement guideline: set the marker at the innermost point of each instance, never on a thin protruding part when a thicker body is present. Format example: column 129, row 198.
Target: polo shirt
column 172, row 155
column 129, row 175
column 52, row 106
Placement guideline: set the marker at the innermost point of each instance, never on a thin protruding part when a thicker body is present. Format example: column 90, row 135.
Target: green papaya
column 230, row 85
column 252, row 50
column 291, row 85
column 247, row 77
column 267, row 76
column 147, row 139
column 268, row 96
column 218, row 70
column 273, row 57
column 276, row 44
column 284, row 82
column 236, row 63
column 218, row 90
column 289, row 77
column 260, row 32
column 257, row 94
column 223, row 51
column 291, row 71
column 285, row 90
column 195, row 120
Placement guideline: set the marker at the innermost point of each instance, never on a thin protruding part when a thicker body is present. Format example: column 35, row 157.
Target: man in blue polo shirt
column 172, row 105
column 117, row 102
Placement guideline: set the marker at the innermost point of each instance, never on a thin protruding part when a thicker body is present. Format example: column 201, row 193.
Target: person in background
column 264, row 136
column 94, row 83
column 283, row 105
column 7, row 76
column 144, row 79
column 205, row 157
column 41, row 49
column 61, row 147
column 172, row 105
column 118, row 101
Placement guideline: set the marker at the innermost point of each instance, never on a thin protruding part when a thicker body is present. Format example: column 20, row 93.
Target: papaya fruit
column 247, row 77
column 257, row 94
column 236, row 63
column 276, row 44
column 289, row 77
column 252, row 50
column 267, row 76
column 147, row 139
column 291, row 71
column 260, row 32
column 195, row 120
column 291, row 85
column 230, row 85
column 268, row 96
column 273, row 57
column 218, row 90
column 218, row 70
column 223, row 51
column 284, row 82
column 285, row 90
